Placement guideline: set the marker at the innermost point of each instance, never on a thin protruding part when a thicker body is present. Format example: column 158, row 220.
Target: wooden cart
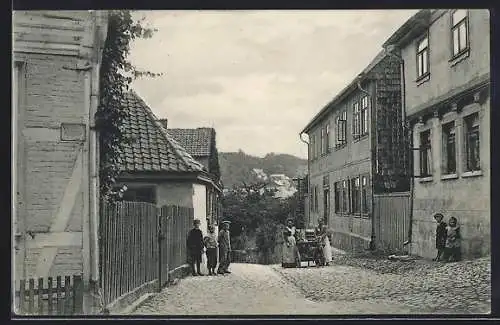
column 310, row 248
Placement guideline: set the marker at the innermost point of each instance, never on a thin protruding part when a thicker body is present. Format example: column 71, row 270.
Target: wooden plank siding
column 49, row 32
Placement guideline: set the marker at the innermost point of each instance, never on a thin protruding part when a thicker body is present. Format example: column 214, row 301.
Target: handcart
column 310, row 249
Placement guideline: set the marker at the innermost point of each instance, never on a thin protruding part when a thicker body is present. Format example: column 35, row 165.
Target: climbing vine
column 116, row 75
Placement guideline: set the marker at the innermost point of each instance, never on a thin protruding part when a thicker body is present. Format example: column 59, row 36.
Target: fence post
column 77, row 295
column 159, row 232
column 40, row 291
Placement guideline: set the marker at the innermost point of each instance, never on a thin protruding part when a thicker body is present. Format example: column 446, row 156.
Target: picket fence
column 42, row 298
column 139, row 243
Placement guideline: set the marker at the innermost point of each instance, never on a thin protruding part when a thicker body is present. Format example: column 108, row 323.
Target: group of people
column 197, row 244
column 448, row 239
column 291, row 254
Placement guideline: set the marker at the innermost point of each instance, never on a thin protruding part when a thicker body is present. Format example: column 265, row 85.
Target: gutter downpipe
column 367, row 93
column 100, row 31
column 409, row 134
column 308, row 181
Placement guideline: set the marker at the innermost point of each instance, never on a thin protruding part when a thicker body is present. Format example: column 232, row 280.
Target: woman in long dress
column 291, row 257
column 325, row 242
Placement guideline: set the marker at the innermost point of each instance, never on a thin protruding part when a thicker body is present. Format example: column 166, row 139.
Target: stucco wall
column 348, row 232
column 175, row 193
column 445, row 75
column 467, row 198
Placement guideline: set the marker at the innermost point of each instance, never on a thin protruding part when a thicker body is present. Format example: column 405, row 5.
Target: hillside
column 237, row 167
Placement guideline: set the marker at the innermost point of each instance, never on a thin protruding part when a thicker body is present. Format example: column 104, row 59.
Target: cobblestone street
column 339, row 289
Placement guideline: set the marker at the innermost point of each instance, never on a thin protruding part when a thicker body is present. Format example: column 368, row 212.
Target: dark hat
column 196, row 221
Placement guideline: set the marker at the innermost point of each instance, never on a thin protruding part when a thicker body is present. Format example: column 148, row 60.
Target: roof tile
column 197, row 142
column 153, row 148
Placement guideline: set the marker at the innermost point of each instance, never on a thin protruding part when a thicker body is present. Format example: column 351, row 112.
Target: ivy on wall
column 116, row 75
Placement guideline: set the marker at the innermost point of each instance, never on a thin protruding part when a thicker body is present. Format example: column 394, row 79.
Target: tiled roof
column 196, row 141
column 151, row 148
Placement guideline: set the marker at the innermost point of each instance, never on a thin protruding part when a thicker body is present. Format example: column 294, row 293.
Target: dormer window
column 423, row 57
column 460, row 31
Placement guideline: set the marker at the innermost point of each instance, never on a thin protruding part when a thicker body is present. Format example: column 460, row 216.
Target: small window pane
column 424, row 62
column 463, row 36
column 419, row 66
column 423, row 44
column 456, row 48
column 458, row 15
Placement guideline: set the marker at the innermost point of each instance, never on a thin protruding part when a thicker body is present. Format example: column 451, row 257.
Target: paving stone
column 347, row 287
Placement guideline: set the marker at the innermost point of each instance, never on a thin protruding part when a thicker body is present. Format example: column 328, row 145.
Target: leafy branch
column 116, row 75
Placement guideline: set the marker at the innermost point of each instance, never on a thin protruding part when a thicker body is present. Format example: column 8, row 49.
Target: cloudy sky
column 257, row 77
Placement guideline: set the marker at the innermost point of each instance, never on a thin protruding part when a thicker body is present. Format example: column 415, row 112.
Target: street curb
column 137, row 303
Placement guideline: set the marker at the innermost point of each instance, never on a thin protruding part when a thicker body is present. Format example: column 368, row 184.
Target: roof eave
column 349, row 89
column 417, row 22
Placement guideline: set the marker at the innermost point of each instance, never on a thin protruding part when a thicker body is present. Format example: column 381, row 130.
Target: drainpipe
column 93, row 75
column 308, row 181
column 370, row 102
column 389, row 50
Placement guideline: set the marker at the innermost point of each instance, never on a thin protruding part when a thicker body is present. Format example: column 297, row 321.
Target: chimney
column 164, row 122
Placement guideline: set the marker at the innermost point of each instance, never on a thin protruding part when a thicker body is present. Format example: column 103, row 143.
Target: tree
column 254, row 212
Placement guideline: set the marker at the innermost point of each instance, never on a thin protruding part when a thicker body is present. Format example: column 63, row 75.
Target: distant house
column 201, row 144
column 358, row 157
column 55, row 84
column 155, row 167
column 446, row 59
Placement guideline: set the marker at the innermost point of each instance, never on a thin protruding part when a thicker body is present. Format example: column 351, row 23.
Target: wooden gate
column 173, row 224
column 391, row 221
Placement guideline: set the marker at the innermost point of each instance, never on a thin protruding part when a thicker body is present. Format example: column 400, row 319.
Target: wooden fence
column 49, row 297
column 140, row 243
column 392, row 219
column 174, row 223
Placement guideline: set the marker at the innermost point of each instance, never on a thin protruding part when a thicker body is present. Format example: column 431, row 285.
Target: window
column 472, row 142
column 423, row 57
column 425, row 154
column 322, row 139
column 449, row 149
column 341, row 128
column 140, row 194
column 364, row 190
column 313, row 147
column 356, row 120
column 345, row 197
column 356, row 195
column 336, row 189
column 460, row 31
column 364, row 115
column 327, row 137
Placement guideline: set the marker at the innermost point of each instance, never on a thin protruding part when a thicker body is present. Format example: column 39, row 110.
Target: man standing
column 224, row 248
column 195, row 247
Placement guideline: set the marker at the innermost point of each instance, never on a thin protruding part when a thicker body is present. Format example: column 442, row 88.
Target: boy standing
column 440, row 236
column 195, row 247
column 211, row 245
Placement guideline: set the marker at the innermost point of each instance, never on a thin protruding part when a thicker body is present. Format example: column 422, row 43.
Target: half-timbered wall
column 52, row 139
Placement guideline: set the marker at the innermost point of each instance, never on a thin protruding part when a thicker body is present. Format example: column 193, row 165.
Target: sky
column 257, row 77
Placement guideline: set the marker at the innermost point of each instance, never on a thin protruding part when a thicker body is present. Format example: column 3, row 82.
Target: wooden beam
column 55, row 239
column 48, row 254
